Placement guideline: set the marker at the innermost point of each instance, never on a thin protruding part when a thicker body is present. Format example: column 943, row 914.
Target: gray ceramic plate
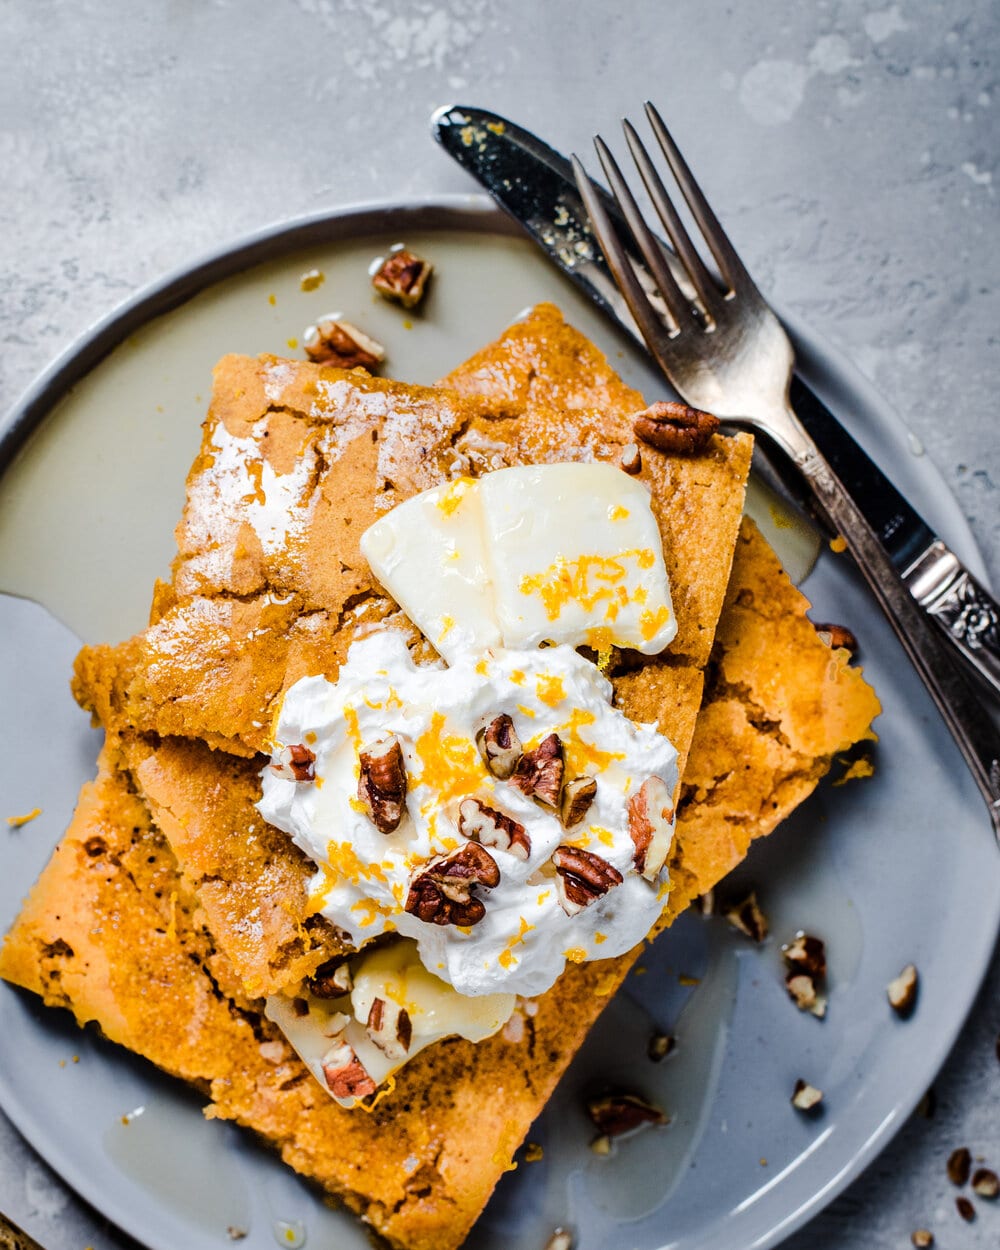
column 895, row 869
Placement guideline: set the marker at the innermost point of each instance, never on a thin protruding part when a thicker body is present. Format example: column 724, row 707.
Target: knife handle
column 973, row 730
column 964, row 609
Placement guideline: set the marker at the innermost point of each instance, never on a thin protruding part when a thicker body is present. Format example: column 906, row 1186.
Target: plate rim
column 469, row 213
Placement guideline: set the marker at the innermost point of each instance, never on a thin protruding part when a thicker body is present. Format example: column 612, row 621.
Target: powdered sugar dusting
column 277, row 377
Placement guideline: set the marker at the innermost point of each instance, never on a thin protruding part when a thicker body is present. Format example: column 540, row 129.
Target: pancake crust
column 255, row 604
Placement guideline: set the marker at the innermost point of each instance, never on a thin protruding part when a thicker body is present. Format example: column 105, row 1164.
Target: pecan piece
column 577, row 797
column 345, row 1074
column 902, row 992
column 959, row 1166
column 582, row 877
column 837, row 636
column 296, row 762
column 442, row 892
column 490, row 827
column 806, row 1097
column 390, row 1028
column 660, row 1045
column 650, row 817
column 631, row 459
column 402, row 276
column 675, row 428
column 986, row 1183
column 561, row 1239
column 499, row 746
column 382, row 783
column 621, row 1111
column 965, row 1209
column 332, row 341
column 807, row 954
column 539, row 773
column 331, row 979
column 803, row 992
column 705, row 903
column 748, row 918
column 922, row 1238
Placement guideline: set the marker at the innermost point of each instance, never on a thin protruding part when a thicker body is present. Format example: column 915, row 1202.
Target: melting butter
column 560, row 553
column 394, row 974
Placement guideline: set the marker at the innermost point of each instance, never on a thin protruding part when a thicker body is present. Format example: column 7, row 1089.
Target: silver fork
column 724, row 350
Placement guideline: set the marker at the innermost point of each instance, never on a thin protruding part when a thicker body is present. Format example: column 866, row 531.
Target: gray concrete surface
column 850, row 144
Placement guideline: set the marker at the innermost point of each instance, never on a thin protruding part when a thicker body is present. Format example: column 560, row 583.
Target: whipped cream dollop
column 560, row 891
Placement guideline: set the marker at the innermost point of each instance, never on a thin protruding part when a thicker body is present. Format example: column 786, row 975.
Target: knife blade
column 534, row 184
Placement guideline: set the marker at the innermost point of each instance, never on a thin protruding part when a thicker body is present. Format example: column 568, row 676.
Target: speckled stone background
column 851, row 146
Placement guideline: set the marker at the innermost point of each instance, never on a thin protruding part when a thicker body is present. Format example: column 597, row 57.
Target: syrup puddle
column 652, row 1180
column 200, row 1183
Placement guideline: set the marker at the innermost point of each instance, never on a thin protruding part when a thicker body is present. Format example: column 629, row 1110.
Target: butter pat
column 341, row 1029
column 560, row 553
column 429, row 554
column 575, row 557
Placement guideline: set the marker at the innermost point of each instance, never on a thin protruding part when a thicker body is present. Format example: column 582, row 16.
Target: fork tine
column 678, row 304
column 702, row 280
column 725, row 254
column 647, row 319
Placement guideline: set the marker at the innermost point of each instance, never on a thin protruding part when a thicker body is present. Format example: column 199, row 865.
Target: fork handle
column 970, row 725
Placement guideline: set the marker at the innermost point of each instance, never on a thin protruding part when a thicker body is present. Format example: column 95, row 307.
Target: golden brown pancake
column 164, row 928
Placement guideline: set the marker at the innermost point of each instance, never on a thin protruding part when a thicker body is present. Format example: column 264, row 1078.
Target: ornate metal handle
column 973, row 730
column 965, row 610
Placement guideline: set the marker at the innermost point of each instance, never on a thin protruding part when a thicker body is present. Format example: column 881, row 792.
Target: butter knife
column 534, row 184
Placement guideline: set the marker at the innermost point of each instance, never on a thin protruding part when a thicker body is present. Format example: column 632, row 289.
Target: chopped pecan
column 296, row 762
column 922, row 1238
column 902, row 992
column 577, row 797
column 331, row 979
column 345, row 1074
column 621, row 1111
column 675, row 428
column 402, row 276
column 631, row 459
column 986, row 1183
column 803, row 992
column 837, row 636
column 959, row 1166
column 490, row 827
column 582, row 877
column 650, row 817
column 390, row 1028
column 539, row 773
column 660, row 1045
column 442, row 892
column 705, row 903
column 561, row 1239
column 965, row 1209
column 806, row 1097
column 807, row 954
column 499, row 746
column 748, row 918
column 332, row 341
column 382, row 783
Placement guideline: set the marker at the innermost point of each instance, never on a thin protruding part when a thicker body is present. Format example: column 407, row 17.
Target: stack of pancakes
column 170, row 908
